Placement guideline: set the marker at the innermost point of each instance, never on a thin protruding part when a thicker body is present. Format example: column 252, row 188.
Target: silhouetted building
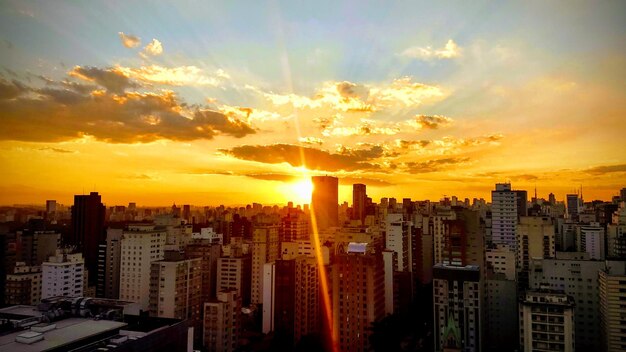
column 222, row 322
column 88, row 230
column 359, row 195
column 324, row 201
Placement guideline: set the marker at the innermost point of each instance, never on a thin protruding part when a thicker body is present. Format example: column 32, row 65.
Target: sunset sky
column 236, row 102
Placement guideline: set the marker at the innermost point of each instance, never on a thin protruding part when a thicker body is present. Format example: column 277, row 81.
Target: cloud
column 449, row 51
column 311, row 140
column 57, row 150
column 112, row 79
column 11, row 89
column 174, row 76
column 433, row 165
column 348, row 181
column 430, row 122
column 300, row 156
column 129, row 40
column 154, row 48
column 125, row 117
column 606, row 169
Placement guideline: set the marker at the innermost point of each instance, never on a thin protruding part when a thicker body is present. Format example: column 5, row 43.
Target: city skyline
column 211, row 103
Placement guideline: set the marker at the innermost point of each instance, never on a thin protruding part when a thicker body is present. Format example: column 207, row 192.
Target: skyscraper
column 88, row 230
column 504, row 215
column 324, row 201
column 359, row 195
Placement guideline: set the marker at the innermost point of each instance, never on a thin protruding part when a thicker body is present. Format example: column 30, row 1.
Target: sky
column 209, row 103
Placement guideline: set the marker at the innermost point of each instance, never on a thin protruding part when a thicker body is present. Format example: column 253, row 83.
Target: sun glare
column 300, row 191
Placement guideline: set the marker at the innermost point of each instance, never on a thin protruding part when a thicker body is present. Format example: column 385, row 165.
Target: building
column 590, row 239
column 109, row 258
column 359, row 196
column 24, row 285
column 573, row 204
column 521, row 200
column 265, row 249
column 235, row 273
column 535, row 239
column 546, row 321
column 294, row 227
column 142, row 244
column 357, row 300
column 398, row 239
column 504, row 215
column 577, row 276
column 324, row 202
column 38, row 246
column 63, row 275
column 612, row 282
column 458, row 303
column 87, row 232
column 291, row 300
column 616, row 233
column 209, row 252
column 222, row 322
column 176, row 288
column 501, row 319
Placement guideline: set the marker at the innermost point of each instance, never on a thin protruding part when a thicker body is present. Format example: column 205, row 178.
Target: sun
column 300, row 191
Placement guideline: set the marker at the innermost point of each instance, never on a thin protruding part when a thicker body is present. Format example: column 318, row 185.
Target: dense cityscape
column 511, row 273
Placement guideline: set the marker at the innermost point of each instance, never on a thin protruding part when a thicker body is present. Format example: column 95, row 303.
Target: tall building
column 590, row 239
column 142, row 244
column 398, row 239
column 63, row 275
column 504, row 215
column 573, row 206
column 210, row 253
column 358, row 300
column 546, row 321
column 51, row 206
column 176, row 288
column 324, row 201
column 294, row 227
column 24, row 285
column 521, row 200
column 612, row 282
column 458, row 304
column 535, row 239
column 265, row 249
column 616, row 234
column 291, row 299
column 235, row 273
column 359, row 195
column 222, row 322
column 38, row 246
column 88, row 230
column 109, row 258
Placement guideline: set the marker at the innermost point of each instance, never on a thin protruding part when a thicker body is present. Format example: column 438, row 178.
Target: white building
column 63, row 275
column 398, row 239
column 590, row 239
column 504, row 215
column 141, row 245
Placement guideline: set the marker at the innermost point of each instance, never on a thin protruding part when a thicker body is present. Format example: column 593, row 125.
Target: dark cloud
column 433, row 165
column 404, row 144
column 298, row 156
column 606, row 169
column 113, row 80
column 348, row 181
column 432, row 121
column 11, row 89
column 57, row 150
column 65, row 114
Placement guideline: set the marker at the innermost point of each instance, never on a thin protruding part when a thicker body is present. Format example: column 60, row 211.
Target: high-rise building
column 265, row 249
column 109, row 258
column 573, row 206
column 358, row 300
column 294, row 227
column 210, row 253
column 324, row 201
column 535, row 239
column 88, row 230
column 546, row 321
column 176, row 288
column 590, row 239
column 398, row 239
column 235, row 273
column 521, row 200
column 359, row 195
column 612, row 282
column 38, row 246
column 504, row 215
column 458, row 304
column 616, row 233
column 51, row 207
column 142, row 244
column 222, row 322
column 24, row 285
column 63, row 275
